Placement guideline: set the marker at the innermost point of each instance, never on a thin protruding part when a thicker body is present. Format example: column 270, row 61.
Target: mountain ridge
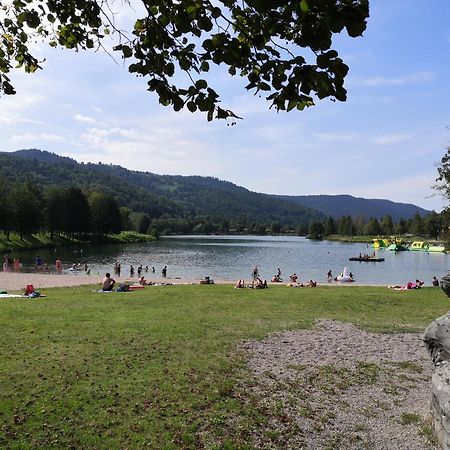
column 348, row 204
column 193, row 195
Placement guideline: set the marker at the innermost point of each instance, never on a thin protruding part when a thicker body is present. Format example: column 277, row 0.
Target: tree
column 6, row 210
column 54, row 210
column 373, row 227
column 416, row 226
column 433, row 225
column 316, row 229
column 387, row 226
column 144, row 224
column 330, row 227
column 27, row 206
column 125, row 218
column 264, row 41
column 105, row 214
column 345, row 226
column 77, row 212
column 443, row 179
column 401, row 227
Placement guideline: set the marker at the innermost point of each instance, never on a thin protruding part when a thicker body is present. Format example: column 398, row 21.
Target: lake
column 233, row 257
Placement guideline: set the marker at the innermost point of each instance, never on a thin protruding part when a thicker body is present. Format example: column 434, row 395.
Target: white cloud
column 392, row 138
column 338, row 137
column 34, row 139
column 84, row 119
column 393, row 81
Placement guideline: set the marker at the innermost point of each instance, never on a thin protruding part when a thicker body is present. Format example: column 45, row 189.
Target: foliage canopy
column 282, row 47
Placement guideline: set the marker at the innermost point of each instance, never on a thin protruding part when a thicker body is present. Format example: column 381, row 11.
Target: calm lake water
column 233, row 257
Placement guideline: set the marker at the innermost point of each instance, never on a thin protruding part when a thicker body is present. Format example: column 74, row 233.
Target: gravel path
column 338, row 387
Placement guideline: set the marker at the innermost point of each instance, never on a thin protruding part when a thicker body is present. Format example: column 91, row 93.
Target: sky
column 383, row 142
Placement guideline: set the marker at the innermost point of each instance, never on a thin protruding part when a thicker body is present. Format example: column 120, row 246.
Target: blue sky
column 384, row 142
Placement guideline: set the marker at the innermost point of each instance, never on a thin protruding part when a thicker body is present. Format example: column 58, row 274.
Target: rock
column 445, row 284
column 437, row 339
column 440, row 401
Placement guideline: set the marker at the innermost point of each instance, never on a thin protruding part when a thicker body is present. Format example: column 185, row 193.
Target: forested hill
column 346, row 205
column 157, row 195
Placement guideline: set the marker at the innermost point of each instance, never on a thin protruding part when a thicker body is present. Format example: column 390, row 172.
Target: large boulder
column 445, row 284
column 437, row 339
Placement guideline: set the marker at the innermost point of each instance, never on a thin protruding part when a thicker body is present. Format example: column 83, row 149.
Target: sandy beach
column 11, row 281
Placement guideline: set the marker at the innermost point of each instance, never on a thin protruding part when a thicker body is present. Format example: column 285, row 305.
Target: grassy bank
column 357, row 239
column 158, row 368
column 37, row 241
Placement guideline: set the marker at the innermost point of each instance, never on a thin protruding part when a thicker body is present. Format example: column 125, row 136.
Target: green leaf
column 201, row 84
column 216, row 13
column 304, row 6
column 204, row 66
column 127, row 52
column 191, row 106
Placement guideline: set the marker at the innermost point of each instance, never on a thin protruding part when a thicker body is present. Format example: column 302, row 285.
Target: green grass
column 33, row 241
column 158, row 368
column 44, row 240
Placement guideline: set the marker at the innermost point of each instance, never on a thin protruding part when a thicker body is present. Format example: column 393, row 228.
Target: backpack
column 29, row 289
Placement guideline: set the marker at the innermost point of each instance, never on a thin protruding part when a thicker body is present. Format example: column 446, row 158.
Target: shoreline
column 16, row 281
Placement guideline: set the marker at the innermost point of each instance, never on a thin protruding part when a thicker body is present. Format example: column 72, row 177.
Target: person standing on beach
column 255, row 273
column 17, row 265
column 39, row 264
column 58, row 266
column 164, row 271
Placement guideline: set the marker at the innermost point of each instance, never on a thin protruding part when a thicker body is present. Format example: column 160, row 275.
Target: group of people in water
column 140, row 270
column 10, row 264
column 41, row 266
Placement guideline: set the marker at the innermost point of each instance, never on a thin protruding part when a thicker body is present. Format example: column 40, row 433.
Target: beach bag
column 29, row 289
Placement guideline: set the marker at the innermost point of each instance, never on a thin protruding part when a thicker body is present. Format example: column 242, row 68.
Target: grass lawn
column 36, row 241
column 157, row 368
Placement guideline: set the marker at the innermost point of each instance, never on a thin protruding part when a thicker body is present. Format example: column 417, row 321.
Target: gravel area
column 339, row 387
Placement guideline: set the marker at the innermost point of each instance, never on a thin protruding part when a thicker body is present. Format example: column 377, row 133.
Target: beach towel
column 101, row 290
column 12, row 296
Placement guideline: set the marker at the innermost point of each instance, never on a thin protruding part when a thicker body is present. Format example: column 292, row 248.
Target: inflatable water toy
column 346, row 276
column 422, row 246
column 381, row 243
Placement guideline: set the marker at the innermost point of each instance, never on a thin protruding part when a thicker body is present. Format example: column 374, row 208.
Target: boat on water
column 423, row 246
column 366, row 259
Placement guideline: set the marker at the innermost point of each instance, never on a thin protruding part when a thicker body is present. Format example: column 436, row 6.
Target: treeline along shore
column 34, row 218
